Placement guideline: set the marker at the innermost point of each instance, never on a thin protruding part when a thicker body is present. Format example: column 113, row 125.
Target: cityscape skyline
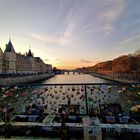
column 71, row 33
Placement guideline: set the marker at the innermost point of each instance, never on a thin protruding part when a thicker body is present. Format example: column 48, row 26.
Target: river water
column 73, row 78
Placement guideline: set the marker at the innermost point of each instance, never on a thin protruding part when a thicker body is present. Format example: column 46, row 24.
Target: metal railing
column 78, row 98
column 87, row 95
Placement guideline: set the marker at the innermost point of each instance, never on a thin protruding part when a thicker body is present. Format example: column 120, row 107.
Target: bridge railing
column 82, row 97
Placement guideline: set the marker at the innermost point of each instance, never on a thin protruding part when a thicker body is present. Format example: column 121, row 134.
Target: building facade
column 17, row 63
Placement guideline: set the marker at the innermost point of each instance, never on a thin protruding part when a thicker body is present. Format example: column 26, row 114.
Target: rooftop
column 9, row 47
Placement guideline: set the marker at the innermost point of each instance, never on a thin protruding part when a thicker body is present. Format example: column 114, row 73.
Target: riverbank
column 24, row 79
column 113, row 79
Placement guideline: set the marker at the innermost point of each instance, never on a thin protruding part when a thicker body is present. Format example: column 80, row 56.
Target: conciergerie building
column 17, row 63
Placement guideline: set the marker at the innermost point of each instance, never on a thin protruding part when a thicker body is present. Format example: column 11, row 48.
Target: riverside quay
column 82, row 111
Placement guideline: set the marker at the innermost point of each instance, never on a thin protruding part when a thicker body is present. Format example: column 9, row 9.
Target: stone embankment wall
column 24, row 79
column 113, row 79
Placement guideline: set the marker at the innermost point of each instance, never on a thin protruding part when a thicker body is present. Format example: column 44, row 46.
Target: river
column 73, row 78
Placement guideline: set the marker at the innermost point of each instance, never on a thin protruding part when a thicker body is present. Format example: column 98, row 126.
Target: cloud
column 83, row 18
column 59, row 40
column 110, row 14
column 46, row 38
column 85, row 61
column 129, row 40
column 97, row 16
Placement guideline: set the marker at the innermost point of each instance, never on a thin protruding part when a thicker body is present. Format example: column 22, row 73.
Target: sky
column 71, row 33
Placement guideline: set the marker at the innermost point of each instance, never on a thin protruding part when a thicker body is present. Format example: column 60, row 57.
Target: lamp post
column 64, row 130
column 86, row 99
column 7, row 125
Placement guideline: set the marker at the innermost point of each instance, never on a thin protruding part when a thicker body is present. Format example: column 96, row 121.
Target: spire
column 30, row 54
column 9, row 47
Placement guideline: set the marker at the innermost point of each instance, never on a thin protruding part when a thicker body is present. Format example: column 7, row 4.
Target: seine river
column 74, row 78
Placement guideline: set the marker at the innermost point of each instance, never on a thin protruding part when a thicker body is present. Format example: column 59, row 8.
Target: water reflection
column 78, row 78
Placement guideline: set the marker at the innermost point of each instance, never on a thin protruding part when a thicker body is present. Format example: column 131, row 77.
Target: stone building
column 17, row 63
column 1, row 61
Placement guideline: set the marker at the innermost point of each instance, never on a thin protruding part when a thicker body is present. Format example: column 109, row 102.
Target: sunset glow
column 71, row 33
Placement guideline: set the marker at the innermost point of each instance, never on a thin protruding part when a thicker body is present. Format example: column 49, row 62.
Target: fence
column 86, row 96
column 106, row 99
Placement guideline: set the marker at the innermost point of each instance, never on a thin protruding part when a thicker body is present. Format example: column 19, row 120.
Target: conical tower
column 30, row 54
column 32, row 61
column 10, row 58
column 9, row 47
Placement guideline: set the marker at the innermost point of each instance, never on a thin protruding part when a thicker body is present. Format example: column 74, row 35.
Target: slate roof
column 30, row 53
column 9, row 47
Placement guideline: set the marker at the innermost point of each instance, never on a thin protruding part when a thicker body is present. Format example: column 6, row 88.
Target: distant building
column 1, row 61
column 17, row 63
